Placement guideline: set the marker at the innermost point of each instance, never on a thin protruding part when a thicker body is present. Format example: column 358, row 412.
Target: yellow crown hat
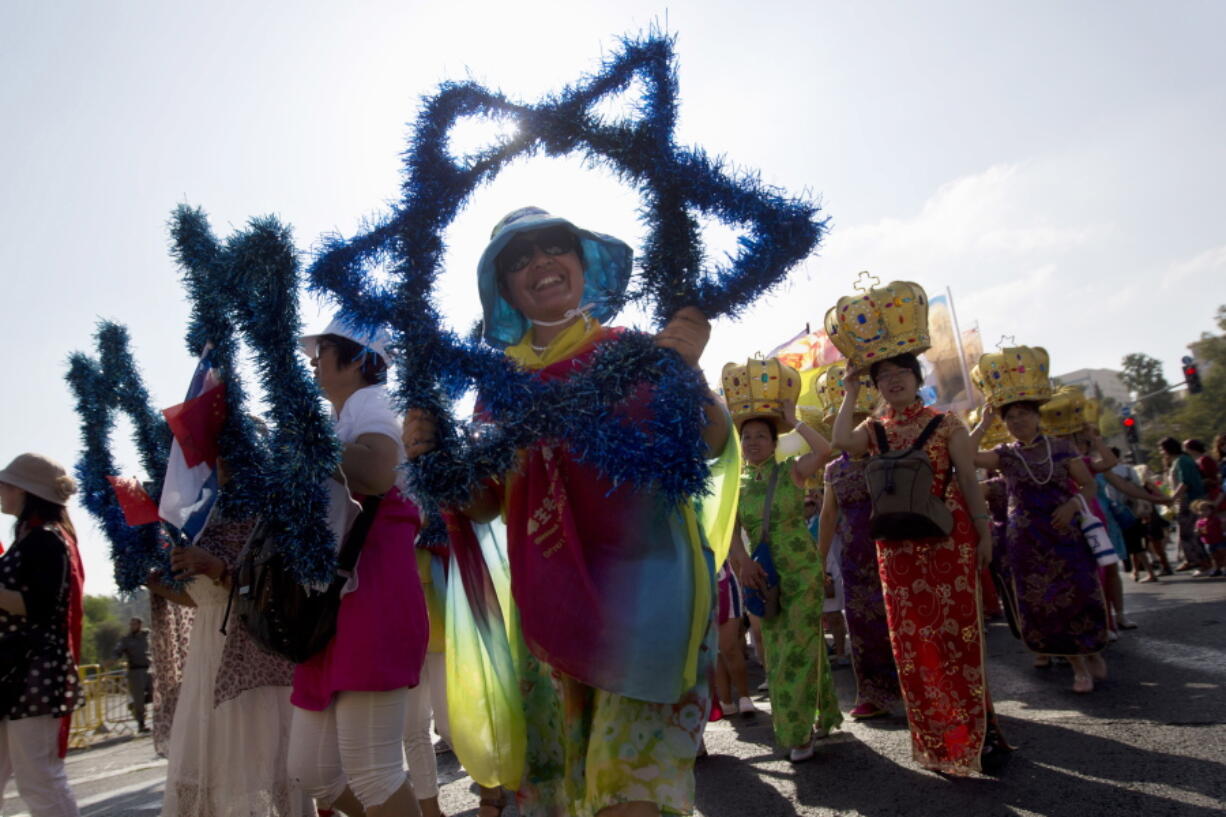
column 996, row 434
column 879, row 322
column 756, row 391
column 1094, row 410
column 815, row 418
column 1065, row 413
column 830, row 390
column 1013, row 373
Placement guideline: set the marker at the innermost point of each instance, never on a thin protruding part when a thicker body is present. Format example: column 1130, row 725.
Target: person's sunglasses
column 519, row 251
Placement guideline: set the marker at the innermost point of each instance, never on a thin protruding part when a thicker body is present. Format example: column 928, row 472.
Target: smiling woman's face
column 542, row 277
column 756, row 441
column 897, row 384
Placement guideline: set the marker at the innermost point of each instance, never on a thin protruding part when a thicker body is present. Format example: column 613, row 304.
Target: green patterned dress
column 798, row 670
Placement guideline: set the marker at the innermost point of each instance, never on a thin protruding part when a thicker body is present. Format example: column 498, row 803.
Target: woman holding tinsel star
column 930, row 577
column 613, row 585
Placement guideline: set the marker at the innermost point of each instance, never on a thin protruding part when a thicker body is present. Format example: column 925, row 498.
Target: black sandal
column 996, row 753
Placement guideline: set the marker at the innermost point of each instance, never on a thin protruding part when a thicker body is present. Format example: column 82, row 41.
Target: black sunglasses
column 519, row 251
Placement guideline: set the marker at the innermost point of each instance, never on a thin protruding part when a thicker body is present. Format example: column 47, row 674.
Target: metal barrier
column 105, row 712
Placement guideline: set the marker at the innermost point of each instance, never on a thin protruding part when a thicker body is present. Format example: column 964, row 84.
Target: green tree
column 106, row 638
column 1143, row 375
column 99, row 608
column 1204, row 415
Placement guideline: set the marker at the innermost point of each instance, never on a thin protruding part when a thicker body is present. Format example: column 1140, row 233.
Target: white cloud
column 1207, row 267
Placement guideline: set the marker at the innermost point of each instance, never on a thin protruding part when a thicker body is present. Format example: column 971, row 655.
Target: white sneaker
column 729, row 707
column 747, row 707
column 801, row 753
column 1112, row 635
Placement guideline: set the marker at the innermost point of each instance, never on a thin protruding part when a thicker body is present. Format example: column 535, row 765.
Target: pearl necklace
column 1051, row 465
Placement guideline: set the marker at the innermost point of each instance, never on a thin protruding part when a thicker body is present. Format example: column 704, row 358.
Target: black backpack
column 281, row 614
column 900, row 490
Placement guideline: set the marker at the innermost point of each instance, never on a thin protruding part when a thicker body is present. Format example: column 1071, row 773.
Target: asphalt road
column 1151, row 740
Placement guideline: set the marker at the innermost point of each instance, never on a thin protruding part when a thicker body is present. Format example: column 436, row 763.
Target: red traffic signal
column 1129, row 422
column 1191, row 376
column 1131, row 432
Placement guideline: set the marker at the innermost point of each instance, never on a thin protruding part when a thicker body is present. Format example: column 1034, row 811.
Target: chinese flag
column 138, row 507
column 196, row 424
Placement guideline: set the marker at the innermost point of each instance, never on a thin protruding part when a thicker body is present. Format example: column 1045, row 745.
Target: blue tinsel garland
column 103, row 386
column 676, row 184
column 249, row 285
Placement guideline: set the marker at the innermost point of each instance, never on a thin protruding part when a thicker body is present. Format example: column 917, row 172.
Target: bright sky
column 1059, row 165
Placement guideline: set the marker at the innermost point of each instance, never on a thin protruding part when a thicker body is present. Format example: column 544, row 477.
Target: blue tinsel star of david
column 243, row 288
column 677, row 184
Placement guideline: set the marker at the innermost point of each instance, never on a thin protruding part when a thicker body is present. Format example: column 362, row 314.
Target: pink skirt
column 382, row 629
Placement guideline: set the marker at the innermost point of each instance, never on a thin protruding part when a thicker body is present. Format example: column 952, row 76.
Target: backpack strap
column 348, row 557
column 927, row 433
column 883, row 442
column 766, row 510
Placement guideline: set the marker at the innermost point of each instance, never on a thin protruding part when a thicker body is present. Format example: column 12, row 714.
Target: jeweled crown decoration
column 1094, row 410
column 756, row 390
column 996, row 433
column 1065, row 413
column 1013, row 373
column 830, row 390
column 879, row 322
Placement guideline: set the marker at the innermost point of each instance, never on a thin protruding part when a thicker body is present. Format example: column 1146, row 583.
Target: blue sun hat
column 607, row 263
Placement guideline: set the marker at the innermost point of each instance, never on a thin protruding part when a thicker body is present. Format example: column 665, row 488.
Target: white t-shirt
column 367, row 411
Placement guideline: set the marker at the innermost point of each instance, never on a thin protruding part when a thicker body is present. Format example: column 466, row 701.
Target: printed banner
column 946, row 385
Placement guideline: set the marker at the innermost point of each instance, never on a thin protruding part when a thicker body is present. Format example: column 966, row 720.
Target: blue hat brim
column 607, row 266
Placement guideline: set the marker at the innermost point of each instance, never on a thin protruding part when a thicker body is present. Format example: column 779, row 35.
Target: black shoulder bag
column 281, row 614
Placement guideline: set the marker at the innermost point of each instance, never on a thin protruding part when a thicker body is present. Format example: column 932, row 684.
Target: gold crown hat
column 1094, row 410
column 1065, row 413
column 879, row 322
column 830, row 390
column 756, row 391
column 1013, row 373
column 815, row 418
column 996, row 434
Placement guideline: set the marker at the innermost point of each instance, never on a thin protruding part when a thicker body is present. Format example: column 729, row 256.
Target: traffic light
column 1191, row 376
column 1131, row 433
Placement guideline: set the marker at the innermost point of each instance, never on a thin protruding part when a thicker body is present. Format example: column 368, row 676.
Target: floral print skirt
column 589, row 749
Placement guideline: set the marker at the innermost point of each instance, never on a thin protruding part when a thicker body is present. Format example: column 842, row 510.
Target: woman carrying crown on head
column 845, row 514
column 1053, row 589
column 931, row 579
column 762, row 398
column 612, row 586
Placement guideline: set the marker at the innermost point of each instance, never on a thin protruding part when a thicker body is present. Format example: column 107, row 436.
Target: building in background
column 1098, row 382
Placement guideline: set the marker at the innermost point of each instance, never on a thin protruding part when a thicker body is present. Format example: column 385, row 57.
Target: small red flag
column 138, row 507
column 197, row 423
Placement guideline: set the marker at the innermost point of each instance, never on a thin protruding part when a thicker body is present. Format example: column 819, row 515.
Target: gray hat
column 41, row 476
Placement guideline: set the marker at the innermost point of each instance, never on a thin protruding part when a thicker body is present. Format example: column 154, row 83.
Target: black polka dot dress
column 37, row 567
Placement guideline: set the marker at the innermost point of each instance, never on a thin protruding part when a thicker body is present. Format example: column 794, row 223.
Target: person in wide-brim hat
column 607, row 263
column 41, row 614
